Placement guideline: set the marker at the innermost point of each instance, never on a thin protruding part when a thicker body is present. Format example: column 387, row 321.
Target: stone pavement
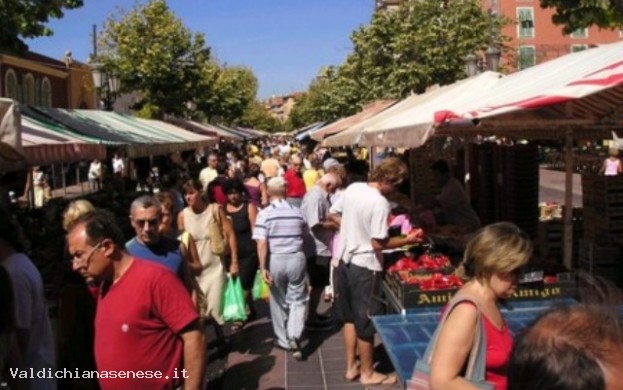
column 253, row 362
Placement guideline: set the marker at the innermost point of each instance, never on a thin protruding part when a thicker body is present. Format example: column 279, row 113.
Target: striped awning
column 139, row 139
column 46, row 144
column 582, row 89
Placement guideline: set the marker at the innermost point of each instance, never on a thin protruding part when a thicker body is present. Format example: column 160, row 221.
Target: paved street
column 552, row 187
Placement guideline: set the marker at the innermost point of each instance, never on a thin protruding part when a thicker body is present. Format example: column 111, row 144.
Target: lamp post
column 475, row 64
column 107, row 85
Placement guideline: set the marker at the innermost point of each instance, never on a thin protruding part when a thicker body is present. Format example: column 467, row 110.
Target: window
column 525, row 22
column 46, row 93
column 526, row 57
column 580, row 33
column 10, row 85
column 29, row 95
column 576, row 48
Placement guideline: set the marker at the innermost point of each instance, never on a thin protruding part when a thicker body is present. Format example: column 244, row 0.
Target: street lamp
column 471, row 64
column 107, row 84
column 190, row 108
column 493, row 54
column 474, row 64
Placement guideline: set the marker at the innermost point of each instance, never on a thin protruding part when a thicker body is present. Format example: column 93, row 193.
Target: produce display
column 426, row 262
column 430, row 271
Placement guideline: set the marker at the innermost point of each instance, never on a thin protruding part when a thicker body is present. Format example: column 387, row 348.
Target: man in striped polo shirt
column 281, row 229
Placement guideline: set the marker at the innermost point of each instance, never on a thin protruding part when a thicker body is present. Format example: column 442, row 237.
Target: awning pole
column 53, row 177
column 63, row 179
column 568, row 216
column 78, row 179
column 466, row 168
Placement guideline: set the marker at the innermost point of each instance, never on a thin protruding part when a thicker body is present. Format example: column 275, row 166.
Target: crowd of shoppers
column 298, row 220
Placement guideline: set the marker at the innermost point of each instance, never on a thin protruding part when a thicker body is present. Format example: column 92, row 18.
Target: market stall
column 405, row 336
column 574, row 97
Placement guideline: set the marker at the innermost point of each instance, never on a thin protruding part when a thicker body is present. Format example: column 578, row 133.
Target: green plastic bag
column 234, row 307
column 260, row 288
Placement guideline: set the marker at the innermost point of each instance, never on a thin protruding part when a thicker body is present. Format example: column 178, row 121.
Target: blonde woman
column 493, row 263
column 195, row 219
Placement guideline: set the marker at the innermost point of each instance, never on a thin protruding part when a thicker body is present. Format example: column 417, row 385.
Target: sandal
column 383, row 380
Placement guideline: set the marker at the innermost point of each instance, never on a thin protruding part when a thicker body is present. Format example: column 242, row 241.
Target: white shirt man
column 118, row 165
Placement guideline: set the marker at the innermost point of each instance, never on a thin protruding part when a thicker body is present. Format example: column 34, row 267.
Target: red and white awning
column 586, row 85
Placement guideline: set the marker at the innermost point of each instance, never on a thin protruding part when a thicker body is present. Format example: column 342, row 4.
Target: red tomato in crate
column 550, row 279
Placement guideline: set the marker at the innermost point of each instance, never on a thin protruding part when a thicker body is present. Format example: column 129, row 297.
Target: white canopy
column 582, row 88
column 410, row 123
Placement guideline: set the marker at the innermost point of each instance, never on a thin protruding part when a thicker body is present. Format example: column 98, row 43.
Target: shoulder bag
column 475, row 371
column 218, row 240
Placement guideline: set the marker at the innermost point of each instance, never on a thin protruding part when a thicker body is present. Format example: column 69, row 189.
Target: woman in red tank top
column 492, row 264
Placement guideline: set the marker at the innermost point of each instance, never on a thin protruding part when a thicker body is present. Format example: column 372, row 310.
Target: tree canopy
column 27, row 19
column 573, row 15
column 232, row 90
column 153, row 52
column 420, row 44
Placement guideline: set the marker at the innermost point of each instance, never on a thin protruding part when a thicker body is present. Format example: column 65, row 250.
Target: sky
column 285, row 42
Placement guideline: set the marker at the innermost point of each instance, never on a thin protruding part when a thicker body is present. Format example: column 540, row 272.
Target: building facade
column 533, row 37
column 38, row 80
column 281, row 106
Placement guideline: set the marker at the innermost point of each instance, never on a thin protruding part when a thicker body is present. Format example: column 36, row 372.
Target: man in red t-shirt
column 147, row 333
column 295, row 185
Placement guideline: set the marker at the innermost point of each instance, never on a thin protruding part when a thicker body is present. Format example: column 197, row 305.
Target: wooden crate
column 550, row 241
column 610, row 272
column 597, row 254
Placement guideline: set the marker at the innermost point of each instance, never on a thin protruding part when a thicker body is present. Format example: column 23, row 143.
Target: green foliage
column 153, row 52
column 27, row 19
column 422, row 43
column 233, row 89
column 257, row 117
column 576, row 14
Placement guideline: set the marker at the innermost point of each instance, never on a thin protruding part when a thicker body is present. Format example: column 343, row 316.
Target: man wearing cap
column 295, row 185
column 280, row 228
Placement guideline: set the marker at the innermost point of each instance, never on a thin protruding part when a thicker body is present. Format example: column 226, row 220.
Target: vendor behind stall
column 452, row 203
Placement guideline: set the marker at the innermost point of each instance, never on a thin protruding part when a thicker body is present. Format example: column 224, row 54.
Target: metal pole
column 568, row 221
column 53, row 177
column 63, row 179
column 78, row 179
column 466, row 167
column 31, row 190
column 94, row 42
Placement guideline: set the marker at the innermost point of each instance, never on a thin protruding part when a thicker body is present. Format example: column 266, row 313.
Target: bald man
column 295, row 185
